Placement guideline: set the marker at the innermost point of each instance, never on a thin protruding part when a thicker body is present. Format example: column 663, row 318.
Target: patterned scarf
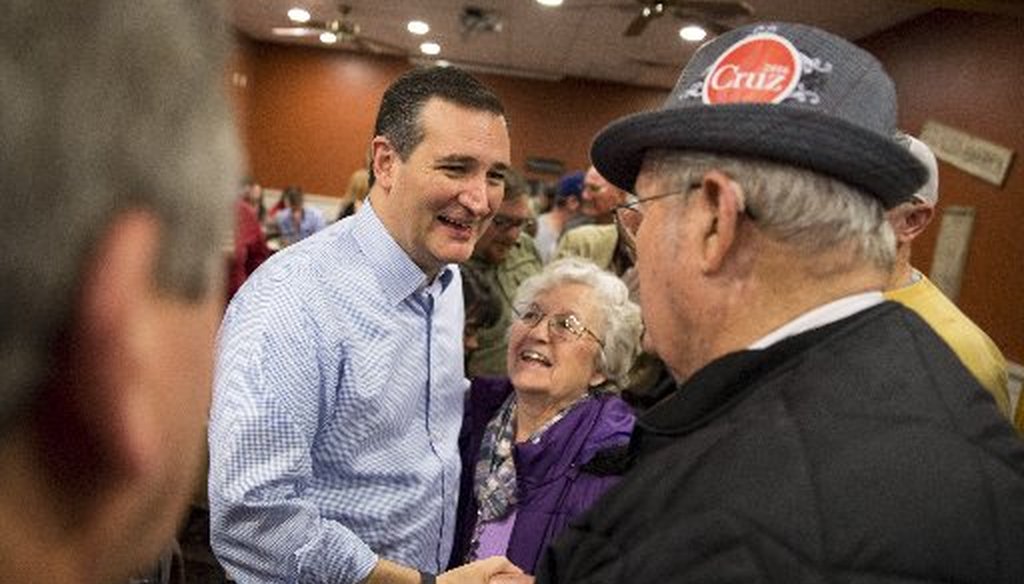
column 495, row 475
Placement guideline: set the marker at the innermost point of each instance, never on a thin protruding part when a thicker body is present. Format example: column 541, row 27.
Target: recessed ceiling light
column 418, row 27
column 430, row 48
column 693, row 33
column 443, row 63
column 293, row 31
column 549, row 2
column 328, row 38
column 298, row 15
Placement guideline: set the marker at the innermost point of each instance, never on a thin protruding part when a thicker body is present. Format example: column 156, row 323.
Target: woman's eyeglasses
column 562, row 327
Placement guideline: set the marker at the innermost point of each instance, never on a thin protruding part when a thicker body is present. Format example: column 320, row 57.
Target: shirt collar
column 398, row 275
column 820, row 316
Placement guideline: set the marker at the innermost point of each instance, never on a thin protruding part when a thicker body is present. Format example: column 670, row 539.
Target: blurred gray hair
column 622, row 324
column 813, row 211
column 108, row 106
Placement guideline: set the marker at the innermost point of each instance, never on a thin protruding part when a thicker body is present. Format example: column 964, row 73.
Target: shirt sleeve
column 268, row 395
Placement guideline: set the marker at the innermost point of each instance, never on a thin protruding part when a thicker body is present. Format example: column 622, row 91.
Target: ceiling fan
column 341, row 29
column 707, row 13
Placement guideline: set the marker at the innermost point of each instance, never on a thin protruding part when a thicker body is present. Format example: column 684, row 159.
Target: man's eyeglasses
column 562, row 327
column 504, row 222
column 629, row 215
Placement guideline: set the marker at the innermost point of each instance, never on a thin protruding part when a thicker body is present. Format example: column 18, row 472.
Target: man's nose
column 474, row 197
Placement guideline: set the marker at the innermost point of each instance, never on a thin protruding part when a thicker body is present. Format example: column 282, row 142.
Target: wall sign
column 951, row 249
column 981, row 158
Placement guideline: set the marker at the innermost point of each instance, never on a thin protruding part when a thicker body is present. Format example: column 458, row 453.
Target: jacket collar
column 728, row 380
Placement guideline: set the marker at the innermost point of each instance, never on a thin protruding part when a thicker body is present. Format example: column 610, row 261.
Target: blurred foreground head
column 117, row 166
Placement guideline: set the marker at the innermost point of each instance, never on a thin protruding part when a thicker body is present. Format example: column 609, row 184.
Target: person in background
column 597, row 239
column 527, row 438
column 1018, row 418
column 250, row 245
column 818, row 432
column 108, row 322
column 566, row 206
column 597, row 202
column 911, row 288
column 339, row 388
column 483, row 309
column 504, row 257
column 298, row 220
column 358, row 188
column 253, row 195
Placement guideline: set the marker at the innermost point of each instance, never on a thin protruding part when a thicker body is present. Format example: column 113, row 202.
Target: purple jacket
column 553, row 489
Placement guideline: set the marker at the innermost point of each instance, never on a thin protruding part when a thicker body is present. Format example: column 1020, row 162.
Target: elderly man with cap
column 817, row 432
column 912, row 289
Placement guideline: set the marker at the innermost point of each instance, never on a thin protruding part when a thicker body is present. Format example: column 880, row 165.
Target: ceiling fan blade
column 651, row 63
column 1007, row 7
column 726, row 10
column 377, row 46
column 296, row 31
column 639, row 24
column 714, row 27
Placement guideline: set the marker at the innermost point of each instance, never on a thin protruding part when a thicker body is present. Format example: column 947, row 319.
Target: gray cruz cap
column 784, row 92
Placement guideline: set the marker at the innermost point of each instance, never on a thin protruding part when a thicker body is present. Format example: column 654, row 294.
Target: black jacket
column 859, row 452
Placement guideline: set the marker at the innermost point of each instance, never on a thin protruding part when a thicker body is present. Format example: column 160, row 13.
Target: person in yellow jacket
column 912, row 289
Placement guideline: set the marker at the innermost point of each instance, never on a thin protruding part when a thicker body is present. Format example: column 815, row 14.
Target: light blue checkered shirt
column 337, row 403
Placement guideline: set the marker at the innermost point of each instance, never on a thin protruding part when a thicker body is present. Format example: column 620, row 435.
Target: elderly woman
column 526, row 439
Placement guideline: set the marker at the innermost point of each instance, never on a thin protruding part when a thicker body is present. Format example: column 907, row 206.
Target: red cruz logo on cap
column 762, row 68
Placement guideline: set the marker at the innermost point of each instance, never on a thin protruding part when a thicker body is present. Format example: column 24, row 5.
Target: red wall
column 310, row 112
column 966, row 71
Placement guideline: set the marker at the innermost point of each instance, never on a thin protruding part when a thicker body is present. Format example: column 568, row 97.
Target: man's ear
column 721, row 202
column 384, row 158
column 910, row 220
column 95, row 421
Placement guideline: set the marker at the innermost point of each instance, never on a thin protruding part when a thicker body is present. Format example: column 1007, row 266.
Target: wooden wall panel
column 965, row 70
column 311, row 112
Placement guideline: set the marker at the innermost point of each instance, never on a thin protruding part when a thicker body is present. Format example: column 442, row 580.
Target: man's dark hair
column 398, row 119
column 292, row 195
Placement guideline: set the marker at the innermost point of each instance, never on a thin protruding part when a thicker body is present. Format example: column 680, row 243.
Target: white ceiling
column 582, row 38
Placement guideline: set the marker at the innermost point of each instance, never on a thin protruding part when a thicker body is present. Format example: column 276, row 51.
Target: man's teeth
column 451, row 221
column 534, row 356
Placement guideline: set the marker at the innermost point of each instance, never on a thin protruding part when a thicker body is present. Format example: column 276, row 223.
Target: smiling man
column 340, row 384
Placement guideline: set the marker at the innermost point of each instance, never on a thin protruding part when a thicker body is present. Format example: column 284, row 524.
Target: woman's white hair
column 622, row 325
column 813, row 211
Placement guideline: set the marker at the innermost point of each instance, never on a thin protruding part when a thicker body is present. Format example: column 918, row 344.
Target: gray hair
column 108, row 106
column 816, row 212
column 622, row 324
